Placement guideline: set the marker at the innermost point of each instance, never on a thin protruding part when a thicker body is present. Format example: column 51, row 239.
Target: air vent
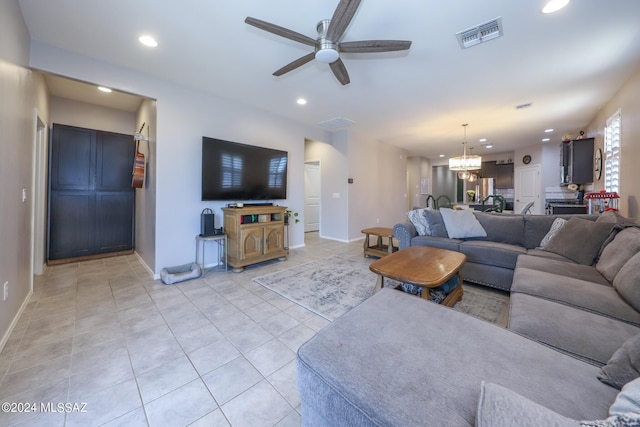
column 480, row 33
column 336, row 123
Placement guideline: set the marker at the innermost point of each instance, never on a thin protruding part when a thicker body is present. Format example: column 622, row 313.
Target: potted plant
column 288, row 214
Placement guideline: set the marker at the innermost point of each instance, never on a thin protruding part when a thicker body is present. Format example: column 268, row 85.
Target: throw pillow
column 419, row 221
column 558, row 223
column 462, row 224
column 628, row 400
column 501, row 407
column 580, row 240
column 435, row 224
column 624, row 364
column 620, row 250
column 627, row 281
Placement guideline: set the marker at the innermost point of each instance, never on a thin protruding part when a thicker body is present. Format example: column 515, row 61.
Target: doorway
column 39, row 198
column 527, row 189
column 312, row 196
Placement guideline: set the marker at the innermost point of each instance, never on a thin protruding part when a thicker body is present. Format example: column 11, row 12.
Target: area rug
column 329, row 287
column 332, row 286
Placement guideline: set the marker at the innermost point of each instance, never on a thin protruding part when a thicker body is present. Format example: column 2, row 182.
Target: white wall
column 418, row 168
column 378, row 195
column 145, row 235
column 184, row 116
column 22, row 96
column 80, row 114
column 628, row 101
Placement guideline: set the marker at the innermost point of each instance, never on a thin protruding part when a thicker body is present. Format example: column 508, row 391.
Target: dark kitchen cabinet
column 576, row 161
column 488, row 170
column 504, row 175
column 91, row 202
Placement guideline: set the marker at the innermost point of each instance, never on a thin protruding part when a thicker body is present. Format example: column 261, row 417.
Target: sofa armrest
column 404, row 232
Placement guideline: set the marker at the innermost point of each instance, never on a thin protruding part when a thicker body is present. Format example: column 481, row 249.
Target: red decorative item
column 608, row 201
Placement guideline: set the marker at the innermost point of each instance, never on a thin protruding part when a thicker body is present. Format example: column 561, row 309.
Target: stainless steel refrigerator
column 484, row 187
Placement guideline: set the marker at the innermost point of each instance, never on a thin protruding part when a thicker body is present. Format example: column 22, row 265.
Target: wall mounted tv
column 234, row 171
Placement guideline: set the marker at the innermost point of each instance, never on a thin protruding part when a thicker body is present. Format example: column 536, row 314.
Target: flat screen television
column 234, row 171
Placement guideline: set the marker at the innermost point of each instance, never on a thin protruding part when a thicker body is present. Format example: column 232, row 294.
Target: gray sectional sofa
column 491, row 260
column 573, row 338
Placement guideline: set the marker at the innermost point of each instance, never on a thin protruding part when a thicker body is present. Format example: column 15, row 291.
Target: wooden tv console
column 255, row 234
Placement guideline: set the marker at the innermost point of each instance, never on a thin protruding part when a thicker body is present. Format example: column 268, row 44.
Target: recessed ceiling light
column 546, row 139
column 488, row 146
column 554, row 6
column 301, row 101
column 104, row 89
column 548, row 130
column 441, row 155
column 483, row 139
column 148, row 41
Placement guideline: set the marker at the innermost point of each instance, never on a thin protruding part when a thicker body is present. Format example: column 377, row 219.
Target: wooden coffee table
column 379, row 249
column 422, row 266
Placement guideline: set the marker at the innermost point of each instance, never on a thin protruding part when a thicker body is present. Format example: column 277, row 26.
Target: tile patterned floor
column 216, row 351
column 131, row 351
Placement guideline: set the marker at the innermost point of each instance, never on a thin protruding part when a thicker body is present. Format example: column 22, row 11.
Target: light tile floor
column 131, row 351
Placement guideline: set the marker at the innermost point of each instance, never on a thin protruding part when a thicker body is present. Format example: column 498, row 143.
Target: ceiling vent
column 480, row 33
column 336, row 123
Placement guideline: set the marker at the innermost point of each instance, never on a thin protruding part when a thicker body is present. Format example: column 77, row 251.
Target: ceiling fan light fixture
column 327, row 55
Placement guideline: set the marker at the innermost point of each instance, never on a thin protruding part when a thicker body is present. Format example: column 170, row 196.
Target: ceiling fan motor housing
column 325, row 49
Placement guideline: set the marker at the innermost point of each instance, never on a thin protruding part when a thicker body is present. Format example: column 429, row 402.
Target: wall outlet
column 5, row 291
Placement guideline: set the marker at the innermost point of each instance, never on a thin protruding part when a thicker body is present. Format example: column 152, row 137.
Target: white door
column 527, row 189
column 312, row 196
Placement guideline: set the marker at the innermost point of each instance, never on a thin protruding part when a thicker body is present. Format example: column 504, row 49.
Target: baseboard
column 334, row 239
column 13, row 324
column 146, row 267
column 297, row 246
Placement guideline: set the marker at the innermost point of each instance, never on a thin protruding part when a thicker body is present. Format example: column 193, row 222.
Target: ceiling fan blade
column 280, row 31
column 295, row 64
column 374, row 46
column 340, row 71
column 341, row 18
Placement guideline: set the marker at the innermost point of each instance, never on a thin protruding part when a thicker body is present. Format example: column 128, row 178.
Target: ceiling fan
column 327, row 46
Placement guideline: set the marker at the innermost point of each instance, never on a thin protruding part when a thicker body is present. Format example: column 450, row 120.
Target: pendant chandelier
column 465, row 163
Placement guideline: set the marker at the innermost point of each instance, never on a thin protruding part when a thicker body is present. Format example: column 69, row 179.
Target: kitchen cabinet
column 488, row 170
column 504, row 175
column 576, row 161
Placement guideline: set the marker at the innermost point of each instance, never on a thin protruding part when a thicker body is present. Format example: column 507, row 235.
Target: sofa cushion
column 435, row 224
column 580, row 240
column 491, row 253
column 580, row 333
column 627, row 281
column 500, row 407
column 557, row 224
column 540, row 253
column 620, row 250
column 561, row 267
column 400, row 360
column 535, row 228
column 461, row 224
column 503, row 228
column 584, row 295
column 437, row 242
column 624, row 365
